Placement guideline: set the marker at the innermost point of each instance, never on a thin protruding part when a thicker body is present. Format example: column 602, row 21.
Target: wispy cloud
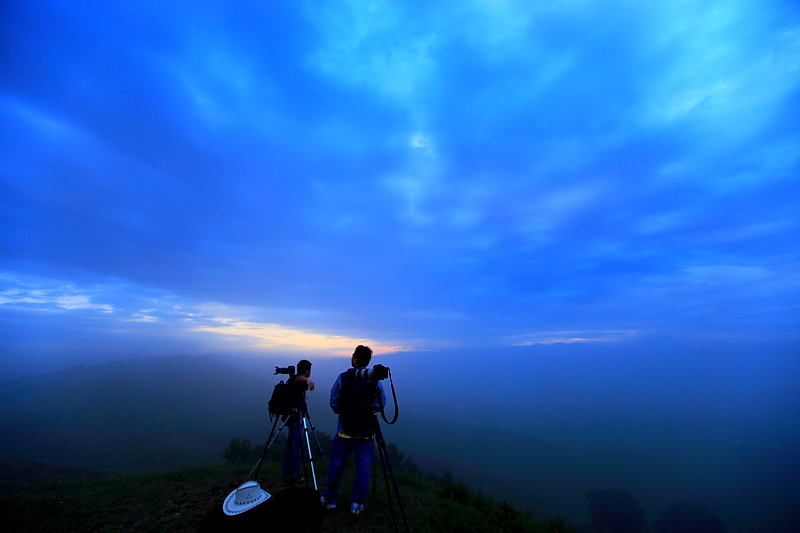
column 33, row 294
column 259, row 335
column 571, row 337
column 369, row 45
column 233, row 327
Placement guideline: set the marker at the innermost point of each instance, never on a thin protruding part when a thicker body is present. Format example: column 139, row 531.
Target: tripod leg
column 382, row 447
column 270, row 440
column 316, row 438
column 302, row 452
column 310, row 457
column 384, row 462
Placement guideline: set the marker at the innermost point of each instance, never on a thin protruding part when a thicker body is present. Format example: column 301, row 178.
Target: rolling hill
column 141, row 415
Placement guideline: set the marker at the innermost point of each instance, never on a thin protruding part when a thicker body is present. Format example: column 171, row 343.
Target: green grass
column 171, row 501
column 177, row 501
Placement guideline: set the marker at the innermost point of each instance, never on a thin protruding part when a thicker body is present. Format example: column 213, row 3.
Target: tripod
column 387, row 465
column 298, row 415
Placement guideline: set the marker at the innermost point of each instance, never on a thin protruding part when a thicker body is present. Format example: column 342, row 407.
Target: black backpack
column 284, row 399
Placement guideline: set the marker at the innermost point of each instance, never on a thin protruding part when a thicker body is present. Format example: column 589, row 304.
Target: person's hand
column 310, row 384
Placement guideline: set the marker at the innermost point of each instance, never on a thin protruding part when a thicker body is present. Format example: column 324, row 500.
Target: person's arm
column 336, row 394
column 303, row 379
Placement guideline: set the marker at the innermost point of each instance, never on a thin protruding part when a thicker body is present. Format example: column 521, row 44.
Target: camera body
column 376, row 373
column 289, row 370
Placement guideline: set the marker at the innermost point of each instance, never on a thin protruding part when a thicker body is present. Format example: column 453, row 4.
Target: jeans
column 340, row 452
column 291, row 457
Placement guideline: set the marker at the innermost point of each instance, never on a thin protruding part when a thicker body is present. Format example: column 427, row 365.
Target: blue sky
column 263, row 177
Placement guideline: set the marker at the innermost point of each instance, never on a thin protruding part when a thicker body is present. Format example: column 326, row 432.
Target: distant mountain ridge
column 140, row 415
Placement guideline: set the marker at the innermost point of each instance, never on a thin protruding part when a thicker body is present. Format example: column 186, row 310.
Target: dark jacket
column 355, row 401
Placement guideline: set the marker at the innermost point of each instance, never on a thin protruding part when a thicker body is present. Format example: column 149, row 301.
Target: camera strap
column 394, row 397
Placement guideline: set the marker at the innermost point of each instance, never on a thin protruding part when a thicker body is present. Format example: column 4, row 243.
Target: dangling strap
column 394, row 397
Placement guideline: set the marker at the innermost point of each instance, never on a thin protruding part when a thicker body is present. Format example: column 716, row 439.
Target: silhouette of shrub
column 557, row 524
column 238, row 452
column 685, row 517
column 615, row 511
column 399, row 460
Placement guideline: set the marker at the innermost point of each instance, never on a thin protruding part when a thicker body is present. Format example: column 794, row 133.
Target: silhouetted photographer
column 298, row 385
column 288, row 404
column 249, row 506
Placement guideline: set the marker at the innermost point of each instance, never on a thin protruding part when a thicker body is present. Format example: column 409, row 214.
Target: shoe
column 356, row 508
column 329, row 507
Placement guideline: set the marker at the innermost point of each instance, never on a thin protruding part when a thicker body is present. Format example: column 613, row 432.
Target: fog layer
column 713, row 423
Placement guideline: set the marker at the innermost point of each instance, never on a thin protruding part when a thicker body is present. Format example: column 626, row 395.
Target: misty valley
column 159, row 415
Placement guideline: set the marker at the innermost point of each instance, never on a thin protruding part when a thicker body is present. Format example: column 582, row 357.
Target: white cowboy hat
column 245, row 497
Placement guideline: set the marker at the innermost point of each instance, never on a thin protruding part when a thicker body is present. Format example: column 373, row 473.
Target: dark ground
column 177, row 501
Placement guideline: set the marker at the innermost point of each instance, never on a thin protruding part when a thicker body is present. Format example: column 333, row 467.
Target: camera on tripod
column 288, row 405
column 289, row 370
column 376, row 373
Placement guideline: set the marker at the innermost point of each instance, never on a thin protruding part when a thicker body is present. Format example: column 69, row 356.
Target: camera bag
column 283, row 400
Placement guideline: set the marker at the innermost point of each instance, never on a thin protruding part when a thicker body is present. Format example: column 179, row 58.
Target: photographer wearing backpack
column 355, row 400
column 299, row 384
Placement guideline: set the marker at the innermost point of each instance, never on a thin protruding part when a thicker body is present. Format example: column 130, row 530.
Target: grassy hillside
column 178, row 501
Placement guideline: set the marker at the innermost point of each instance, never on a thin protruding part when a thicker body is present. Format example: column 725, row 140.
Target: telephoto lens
column 289, row 370
column 376, row 373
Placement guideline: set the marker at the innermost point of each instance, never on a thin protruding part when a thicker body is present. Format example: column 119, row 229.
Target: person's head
column 303, row 367
column 362, row 355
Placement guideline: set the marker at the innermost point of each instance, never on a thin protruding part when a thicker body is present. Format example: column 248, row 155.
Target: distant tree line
column 615, row 510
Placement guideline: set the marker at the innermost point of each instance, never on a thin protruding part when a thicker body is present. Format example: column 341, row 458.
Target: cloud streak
column 572, row 337
column 262, row 336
